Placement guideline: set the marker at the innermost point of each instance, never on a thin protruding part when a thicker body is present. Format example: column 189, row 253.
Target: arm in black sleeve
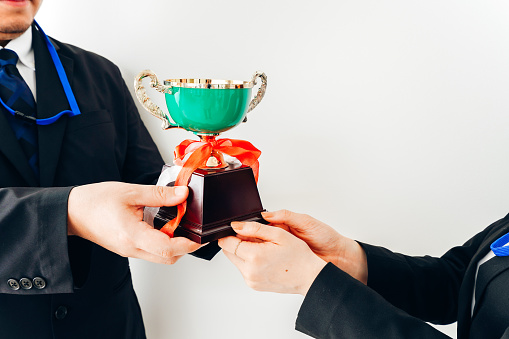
column 402, row 293
column 33, row 238
column 425, row 287
column 338, row 306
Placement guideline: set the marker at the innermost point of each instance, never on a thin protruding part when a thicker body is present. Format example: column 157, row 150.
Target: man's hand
column 110, row 214
column 271, row 259
column 323, row 240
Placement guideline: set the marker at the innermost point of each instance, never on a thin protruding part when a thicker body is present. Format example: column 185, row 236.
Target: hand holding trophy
column 219, row 192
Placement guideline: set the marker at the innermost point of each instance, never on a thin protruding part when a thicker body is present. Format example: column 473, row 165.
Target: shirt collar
column 22, row 45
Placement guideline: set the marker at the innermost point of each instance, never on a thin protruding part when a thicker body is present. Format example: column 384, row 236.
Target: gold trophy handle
column 261, row 91
column 144, row 99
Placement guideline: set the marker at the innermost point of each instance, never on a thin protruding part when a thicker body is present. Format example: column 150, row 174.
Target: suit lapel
column 51, row 100
column 467, row 288
column 496, row 266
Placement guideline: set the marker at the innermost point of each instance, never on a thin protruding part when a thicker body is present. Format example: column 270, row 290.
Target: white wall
column 386, row 119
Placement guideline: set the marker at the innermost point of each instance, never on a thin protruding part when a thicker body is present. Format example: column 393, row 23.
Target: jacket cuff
column 382, row 264
column 35, row 260
column 56, row 265
column 315, row 314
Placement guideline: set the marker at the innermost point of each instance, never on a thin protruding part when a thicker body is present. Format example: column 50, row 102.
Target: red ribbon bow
column 200, row 151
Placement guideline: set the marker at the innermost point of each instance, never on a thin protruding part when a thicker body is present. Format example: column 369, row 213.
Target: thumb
column 296, row 221
column 158, row 196
column 257, row 230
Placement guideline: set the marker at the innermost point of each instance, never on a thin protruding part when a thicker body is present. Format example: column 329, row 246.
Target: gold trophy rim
column 209, row 83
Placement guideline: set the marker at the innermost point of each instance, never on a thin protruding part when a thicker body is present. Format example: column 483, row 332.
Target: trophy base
column 205, row 233
column 216, row 198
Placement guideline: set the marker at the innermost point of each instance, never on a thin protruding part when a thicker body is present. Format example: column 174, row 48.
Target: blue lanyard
column 65, row 84
column 498, row 246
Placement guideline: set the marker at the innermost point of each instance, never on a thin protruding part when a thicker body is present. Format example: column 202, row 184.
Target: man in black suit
column 67, row 228
column 468, row 284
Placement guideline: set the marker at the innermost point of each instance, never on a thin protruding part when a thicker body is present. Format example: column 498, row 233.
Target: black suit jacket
column 404, row 293
column 89, row 286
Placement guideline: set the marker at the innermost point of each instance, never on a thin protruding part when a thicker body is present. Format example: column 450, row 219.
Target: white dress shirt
column 22, row 45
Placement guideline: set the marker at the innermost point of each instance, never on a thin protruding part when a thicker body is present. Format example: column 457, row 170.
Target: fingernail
column 237, row 225
column 180, row 190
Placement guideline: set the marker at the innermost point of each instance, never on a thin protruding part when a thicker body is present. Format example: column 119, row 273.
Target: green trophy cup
column 219, row 192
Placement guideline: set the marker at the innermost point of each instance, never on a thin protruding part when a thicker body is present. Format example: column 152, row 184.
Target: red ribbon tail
column 256, row 169
column 170, row 227
column 197, row 158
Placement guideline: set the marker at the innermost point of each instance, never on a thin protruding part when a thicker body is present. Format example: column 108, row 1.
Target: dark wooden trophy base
column 216, row 198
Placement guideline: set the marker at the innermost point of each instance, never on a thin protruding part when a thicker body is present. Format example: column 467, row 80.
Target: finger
column 238, row 262
column 257, row 230
column 294, row 220
column 158, row 196
column 229, row 244
column 240, row 248
column 281, row 226
column 143, row 255
column 182, row 245
column 157, row 243
column 248, row 250
column 244, row 238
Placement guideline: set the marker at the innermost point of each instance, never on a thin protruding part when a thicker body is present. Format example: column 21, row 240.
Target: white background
column 386, row 119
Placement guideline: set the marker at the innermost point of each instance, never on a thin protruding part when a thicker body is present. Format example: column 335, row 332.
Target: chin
column 14, row 27
column 17, row 16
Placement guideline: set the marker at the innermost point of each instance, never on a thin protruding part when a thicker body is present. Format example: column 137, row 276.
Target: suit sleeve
column 403, row 293
column 338, row 306
column 33, row 228
column 425, row 287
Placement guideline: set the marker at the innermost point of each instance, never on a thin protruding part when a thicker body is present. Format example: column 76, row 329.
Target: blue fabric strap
column 65, row 84
column 498, row 246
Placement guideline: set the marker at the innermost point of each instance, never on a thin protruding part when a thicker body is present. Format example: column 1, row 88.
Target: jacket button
column 25, row 283
column 13, row 284
column 39, row 283
column 61, row 312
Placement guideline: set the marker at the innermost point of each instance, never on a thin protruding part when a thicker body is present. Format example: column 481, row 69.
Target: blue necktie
column 17, row 95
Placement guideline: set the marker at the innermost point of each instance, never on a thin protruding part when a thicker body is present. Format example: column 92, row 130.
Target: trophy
column 219, row 191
